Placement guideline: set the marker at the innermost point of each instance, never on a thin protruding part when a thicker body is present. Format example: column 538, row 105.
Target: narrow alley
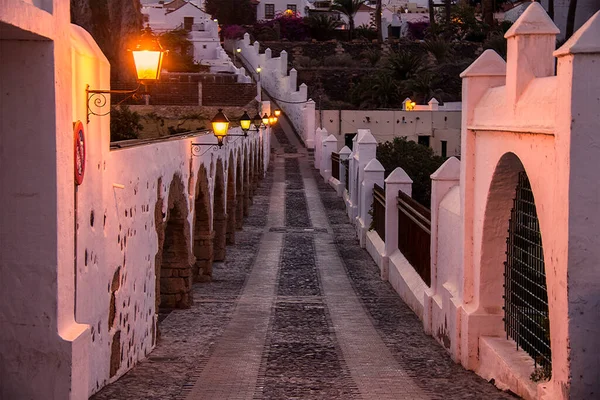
column 297, row 311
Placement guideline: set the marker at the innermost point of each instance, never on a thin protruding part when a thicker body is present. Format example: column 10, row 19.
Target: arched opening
column 219, row 214
column 239, row 192
column 231, row 201
column 173, row 261
column 203, row 233
column 261, row 161
column 526, row 318
column 512, row 281
column 250, row 173
column 255, row 169
column 247, row 188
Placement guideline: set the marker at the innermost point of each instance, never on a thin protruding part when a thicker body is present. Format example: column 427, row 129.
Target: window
column 269, row 11
column 187, row 23
column 292, row 7
column 444, row 148
column 424, row 140
column 203, row 46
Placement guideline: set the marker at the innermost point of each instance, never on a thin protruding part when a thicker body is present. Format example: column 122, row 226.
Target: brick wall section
column 228, row 94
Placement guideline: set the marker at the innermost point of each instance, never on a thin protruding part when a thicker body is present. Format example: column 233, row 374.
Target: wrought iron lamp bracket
column 99, row 100
column 196, row 148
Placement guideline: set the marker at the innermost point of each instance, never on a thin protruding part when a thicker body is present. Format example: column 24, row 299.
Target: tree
column 321, row 26
column 180, row 57
column 418, row 161
column 113, row 24
column 349, row 8
column 231, row 12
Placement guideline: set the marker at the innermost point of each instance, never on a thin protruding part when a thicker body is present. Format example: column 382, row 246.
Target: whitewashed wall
column 283, row 88
column 387, row 124
column 55, row 339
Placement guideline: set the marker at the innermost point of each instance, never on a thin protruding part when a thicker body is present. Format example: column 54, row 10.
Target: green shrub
column 418, row 161
column 124, row 124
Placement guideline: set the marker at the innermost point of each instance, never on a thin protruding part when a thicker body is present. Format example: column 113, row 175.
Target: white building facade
column 181, row 14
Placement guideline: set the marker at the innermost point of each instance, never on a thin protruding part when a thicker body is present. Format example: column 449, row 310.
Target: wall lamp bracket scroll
column 98, row 99
column 197, row 148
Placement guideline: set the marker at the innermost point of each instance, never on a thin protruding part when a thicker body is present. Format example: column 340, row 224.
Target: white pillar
column 367, row 149
column 373, row 174
column 329, row 146
column 446, row 177
column 344, row 155
column 309, row 124
column 318, row 148
column 396, row 181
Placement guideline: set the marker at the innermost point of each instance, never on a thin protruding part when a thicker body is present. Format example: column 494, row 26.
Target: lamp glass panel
column 220, row 128
column 147, row 64
column 245, row 124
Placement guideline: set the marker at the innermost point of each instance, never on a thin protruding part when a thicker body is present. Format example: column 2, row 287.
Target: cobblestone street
column 297, row 311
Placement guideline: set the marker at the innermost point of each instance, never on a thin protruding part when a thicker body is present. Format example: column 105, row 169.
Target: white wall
column 387, row 124
column 55, row 339
column 291, row 98
column 40, row 338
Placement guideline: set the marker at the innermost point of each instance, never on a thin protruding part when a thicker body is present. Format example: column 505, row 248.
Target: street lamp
column 277, row 112
column 238, row 50
column 265, row 120
column 220, row 125
column 148, row 57
column 272, row 119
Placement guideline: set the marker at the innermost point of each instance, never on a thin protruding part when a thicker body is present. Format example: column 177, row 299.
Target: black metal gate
column 525, row 295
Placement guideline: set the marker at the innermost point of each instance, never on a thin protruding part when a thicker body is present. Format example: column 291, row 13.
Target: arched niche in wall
column 512, row 279
column 247, row 189
column 203, row 230
column 219, row 213
column 239, row 191
column 173, row 262
column 231, row 200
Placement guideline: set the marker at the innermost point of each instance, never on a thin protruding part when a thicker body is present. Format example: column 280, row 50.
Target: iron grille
column 347, row 176
column 379, row 210
column 335, row 165
column 525, row 295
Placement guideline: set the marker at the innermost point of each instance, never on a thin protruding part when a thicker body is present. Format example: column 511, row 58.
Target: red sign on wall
column 79, row 148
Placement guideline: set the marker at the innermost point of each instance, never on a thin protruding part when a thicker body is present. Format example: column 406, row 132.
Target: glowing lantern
column 220, row 125
column 245, row 122
column 148, row 57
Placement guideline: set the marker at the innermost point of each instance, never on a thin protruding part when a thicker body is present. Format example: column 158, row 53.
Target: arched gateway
column 526, row 318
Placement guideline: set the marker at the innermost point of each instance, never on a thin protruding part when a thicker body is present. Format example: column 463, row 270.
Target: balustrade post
column 329, row 146
column 442, row 180
column 366, row 148
column 397, row 180
column 344, row 155
column 373, row 174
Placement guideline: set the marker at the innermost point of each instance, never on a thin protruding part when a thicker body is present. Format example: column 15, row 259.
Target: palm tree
column 349, row 8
